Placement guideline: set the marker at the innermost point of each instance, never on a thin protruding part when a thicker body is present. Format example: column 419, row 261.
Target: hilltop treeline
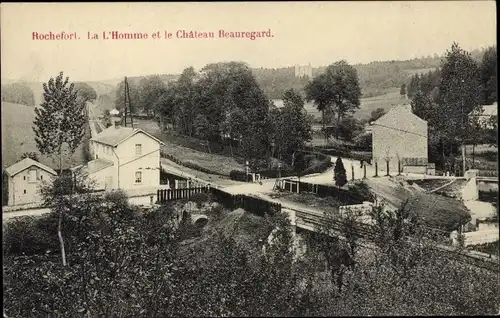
column 18, row 94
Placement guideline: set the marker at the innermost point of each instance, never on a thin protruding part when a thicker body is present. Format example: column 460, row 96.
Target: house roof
column 402, row 109
column 98, row 164
column 490, row 110
column 114, row 136
column 25, row 164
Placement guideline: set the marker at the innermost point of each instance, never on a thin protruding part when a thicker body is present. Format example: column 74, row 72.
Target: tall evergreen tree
column 339, row 173
column 402, row 91
column 458, row 93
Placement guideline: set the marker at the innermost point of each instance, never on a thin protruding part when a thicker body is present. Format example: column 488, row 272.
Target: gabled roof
column 114, row 136
column 25, row 164
column 402, row 109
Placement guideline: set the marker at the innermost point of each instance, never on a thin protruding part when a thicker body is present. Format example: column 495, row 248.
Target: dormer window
column 138, row 149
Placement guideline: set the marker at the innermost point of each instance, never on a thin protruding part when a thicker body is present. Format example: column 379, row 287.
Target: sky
column 319, row 33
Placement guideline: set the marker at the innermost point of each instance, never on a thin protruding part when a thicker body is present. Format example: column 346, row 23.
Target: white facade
column 25, row 179
column 125, row 159
column 397, row 135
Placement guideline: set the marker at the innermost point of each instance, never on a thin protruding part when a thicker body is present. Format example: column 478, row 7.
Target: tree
column 5, row 188
column 339, row 173
column 376, row 114
column 31, row 155
column 107, row 119
column 186, row 108
column 299, row 163
column 150, row 88
column 85, row 92
column 402, row 91
column 349, row 128
column 134, row 96
column 492, row 131
column 165, row 106
column 18, row 93
column 458, row 93
column 59, row 126
column 296, row 127
column 488, row 76
column 337, row 89
column 423, row 106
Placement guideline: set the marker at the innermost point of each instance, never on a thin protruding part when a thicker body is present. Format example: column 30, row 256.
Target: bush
column 31, row 235
column 319, row 167
column 362, row 190
column 199, row 198
column 363, row 142
column 238, row 175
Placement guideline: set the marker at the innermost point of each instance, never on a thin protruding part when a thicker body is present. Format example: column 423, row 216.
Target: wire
column 406, row 131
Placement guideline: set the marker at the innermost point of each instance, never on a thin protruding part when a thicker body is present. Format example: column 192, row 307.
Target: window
column 138, row 149
column 32, row 175
column 41, row 177
column 24, row 177
column 24, row 191
column 138, row 177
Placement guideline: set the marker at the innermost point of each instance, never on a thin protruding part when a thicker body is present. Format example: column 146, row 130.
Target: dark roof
column 98, row 164
column 113, row 136
column 25, row 164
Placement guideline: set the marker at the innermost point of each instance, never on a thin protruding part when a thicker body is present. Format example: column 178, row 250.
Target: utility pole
column 127, row 110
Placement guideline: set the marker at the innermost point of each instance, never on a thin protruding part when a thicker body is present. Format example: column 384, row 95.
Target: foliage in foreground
column 123, row 263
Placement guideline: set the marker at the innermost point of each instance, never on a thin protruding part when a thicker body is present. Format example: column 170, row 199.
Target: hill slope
column 18, row 136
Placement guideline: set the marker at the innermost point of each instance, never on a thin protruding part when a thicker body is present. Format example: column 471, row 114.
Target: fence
column 253, row 205
column 165, row 195
column 345, row 196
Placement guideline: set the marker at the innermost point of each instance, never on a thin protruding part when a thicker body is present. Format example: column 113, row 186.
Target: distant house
column 400, row 135
column 488, row 112
column 114, row 112
column 124, row 158
column 24, row 179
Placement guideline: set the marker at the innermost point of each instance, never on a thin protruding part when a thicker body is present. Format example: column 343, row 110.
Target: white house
column 114, row 112
column 124, row 158
column 400, row 135
column 25, row 177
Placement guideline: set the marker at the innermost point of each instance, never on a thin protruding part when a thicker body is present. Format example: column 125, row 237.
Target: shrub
column 362, row 191
column 31, row 235
column 199, row 198
column 363, row 142
column 238, row 175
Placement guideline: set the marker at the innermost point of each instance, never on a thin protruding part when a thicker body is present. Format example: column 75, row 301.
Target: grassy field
column 182, row 149
column 386, row 101
column 18, row 136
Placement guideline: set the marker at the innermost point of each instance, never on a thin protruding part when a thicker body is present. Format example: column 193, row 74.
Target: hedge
column 238, row 175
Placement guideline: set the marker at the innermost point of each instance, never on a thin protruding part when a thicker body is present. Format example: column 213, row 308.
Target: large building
column 124, row 158
column 303, row 70
column 400, row 135
column 24, row 180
